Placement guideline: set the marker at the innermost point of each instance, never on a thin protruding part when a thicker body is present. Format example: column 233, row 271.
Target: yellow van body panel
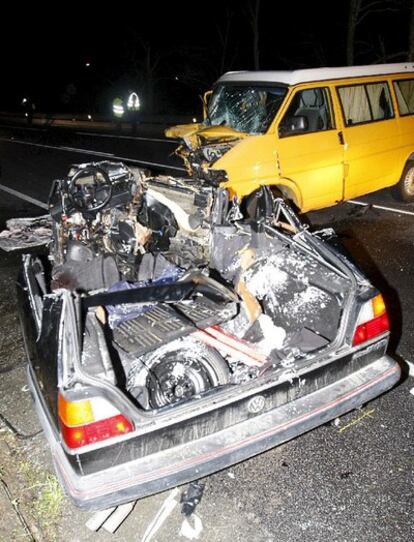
column 315, row 169
column 252, row 159
column 374, row 157
column 182, row 130
column 321, row 184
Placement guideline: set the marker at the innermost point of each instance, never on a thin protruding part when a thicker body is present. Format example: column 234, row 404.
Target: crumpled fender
column 289, row 188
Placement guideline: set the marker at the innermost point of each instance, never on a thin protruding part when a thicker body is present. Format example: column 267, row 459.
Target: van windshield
column 248, row 109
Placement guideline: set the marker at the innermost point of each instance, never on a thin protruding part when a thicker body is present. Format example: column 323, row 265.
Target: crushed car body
column 172, row 331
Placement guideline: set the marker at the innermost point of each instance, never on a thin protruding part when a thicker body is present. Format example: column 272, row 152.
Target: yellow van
column 317, row 136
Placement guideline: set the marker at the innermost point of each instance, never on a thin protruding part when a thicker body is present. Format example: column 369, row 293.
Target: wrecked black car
column 172, row 331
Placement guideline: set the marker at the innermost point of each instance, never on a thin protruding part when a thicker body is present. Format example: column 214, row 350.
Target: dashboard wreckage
column 172, row 331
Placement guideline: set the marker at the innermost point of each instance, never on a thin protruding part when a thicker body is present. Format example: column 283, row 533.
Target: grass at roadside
column 47, row 504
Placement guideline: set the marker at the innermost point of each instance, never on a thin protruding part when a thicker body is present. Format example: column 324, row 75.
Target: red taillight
column 371, row 329
column 75, row 437
column 90, row 420
column 372, row 321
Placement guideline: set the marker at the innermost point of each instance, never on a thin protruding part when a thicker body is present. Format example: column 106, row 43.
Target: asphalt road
column 351, row 482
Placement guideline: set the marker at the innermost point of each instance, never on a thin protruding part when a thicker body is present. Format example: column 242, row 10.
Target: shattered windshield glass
column 248, row 109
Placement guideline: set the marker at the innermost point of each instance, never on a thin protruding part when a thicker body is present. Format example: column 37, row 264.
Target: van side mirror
column 293, row 125
column 205, row 99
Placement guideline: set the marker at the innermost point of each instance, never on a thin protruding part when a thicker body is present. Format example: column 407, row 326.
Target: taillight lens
column 89, row 421
column 372, row 320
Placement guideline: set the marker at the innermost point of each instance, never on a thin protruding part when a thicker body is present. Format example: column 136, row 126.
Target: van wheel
column 405, row 187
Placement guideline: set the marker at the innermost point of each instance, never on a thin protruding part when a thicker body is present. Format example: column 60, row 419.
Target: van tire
column 404, row 189
column 278, row 193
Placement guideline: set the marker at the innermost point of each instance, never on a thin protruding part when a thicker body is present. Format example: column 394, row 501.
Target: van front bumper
column 192, row 460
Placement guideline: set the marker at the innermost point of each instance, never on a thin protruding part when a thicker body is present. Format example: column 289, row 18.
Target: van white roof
column 315, row 74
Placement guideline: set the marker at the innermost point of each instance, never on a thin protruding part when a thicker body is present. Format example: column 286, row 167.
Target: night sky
column 45, row 51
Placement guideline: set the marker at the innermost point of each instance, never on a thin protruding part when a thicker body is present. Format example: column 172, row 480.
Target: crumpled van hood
column 196, row 135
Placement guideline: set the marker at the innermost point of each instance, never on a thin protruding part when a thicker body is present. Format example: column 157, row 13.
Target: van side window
column 404, row 90
column 365, row 103
column 380, row 101
column 309, row 111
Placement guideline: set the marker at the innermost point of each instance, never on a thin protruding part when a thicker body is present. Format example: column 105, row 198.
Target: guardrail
column 83, row 120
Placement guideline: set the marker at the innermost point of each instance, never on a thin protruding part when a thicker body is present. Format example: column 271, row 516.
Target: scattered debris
column 345, row 475
column 25, row 233
column 96, row 521
column 118, row 517
column 410, row 367
column 167, row 507
column 191, row 498
column 191, row 532
column 366, row 414
column 231, row 475
column 412, row 391
column 336, row 422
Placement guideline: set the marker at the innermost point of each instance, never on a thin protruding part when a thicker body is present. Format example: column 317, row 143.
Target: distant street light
column 87, row 64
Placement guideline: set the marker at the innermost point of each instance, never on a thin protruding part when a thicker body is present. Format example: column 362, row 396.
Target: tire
column 187, row 366
column 404, row 190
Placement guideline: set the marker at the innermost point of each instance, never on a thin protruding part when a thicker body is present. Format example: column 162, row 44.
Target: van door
column 310, row 151
column 371, row 137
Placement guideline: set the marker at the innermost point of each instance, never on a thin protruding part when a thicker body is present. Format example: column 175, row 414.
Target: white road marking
column 24, row 197
column 139, row 138
column 382, row 207
column 85, row 151
column 93, row 153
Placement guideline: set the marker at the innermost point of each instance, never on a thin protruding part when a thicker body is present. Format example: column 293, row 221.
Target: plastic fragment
column 166, row 508
column 191, row 532
column 410, row 367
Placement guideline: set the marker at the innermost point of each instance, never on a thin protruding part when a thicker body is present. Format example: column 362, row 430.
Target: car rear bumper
column 180, row 464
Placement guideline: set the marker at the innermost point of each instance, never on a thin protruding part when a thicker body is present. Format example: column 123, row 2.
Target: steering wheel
column 90, row 189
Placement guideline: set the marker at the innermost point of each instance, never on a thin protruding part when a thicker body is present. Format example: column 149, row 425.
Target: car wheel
column 405, row 187
column 180, row 370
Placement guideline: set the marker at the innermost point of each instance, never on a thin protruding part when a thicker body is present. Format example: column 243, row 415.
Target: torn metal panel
column 26, row 233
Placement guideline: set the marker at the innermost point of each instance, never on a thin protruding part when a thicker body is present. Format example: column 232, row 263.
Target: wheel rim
column 166, row 386
column 409, row 182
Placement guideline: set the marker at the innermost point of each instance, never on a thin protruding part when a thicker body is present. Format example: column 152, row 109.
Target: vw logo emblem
column 256, row 404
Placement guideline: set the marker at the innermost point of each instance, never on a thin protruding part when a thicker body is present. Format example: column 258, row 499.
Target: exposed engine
column 198, row 161
column 114, row 219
